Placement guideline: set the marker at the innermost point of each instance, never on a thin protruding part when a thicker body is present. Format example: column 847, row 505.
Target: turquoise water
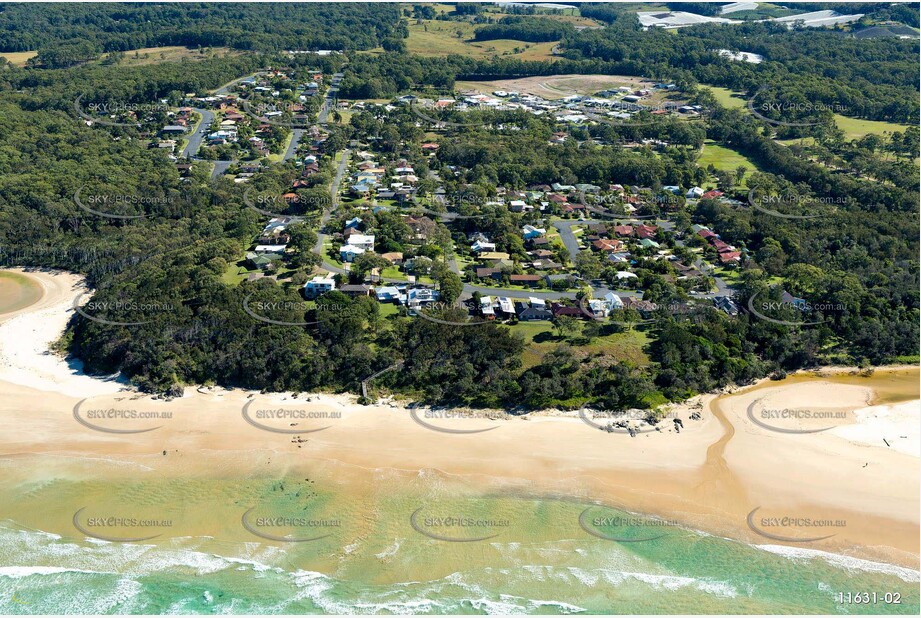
column 562, row 572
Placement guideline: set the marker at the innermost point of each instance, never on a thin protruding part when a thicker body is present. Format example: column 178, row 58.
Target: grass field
column 18, row 58
column 728, row 98
column 173, row 53
column 540, row 338
column 855, row 128
column 724, row 158
column 443, row 38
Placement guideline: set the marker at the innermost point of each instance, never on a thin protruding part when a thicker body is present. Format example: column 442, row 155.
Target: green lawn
column 724, row 158
column 855, row 128
column 627, row 346
column 728, row 98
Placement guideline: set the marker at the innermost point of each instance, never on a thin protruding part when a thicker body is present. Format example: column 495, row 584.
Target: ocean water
column 381, row 554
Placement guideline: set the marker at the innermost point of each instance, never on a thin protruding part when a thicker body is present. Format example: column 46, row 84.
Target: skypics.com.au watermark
column 296, row 529
column 104, row 113
column 795, row 420
column 288, row 115
column 270, row 311
column 444, row 313
column 793, row 206
column 623, row 527
column 794, row 527
column 790, row 113
column 106, row 312
column 452, row 526
column 440, row 420
column 107, row 204
column 105, row 527
column 272, row 205
column 288, row 420
column 767, row 309
column 117, row 419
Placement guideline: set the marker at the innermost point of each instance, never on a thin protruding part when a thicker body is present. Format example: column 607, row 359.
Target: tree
column 564, row 324
column 450, row 287
column 364, row 264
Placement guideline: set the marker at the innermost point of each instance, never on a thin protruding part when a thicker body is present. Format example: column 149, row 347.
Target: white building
column 613, row 301
column 348, row 253
column 319, row 285
column 362, row 241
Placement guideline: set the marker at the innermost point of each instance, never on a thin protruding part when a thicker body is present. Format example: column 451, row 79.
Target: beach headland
column 764, row 449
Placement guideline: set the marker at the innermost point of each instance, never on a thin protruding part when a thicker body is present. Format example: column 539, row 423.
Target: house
column 544, row 264
column 505, row 305
column 174, row 128
column 493, row 256
column 362, row 241
column 607, row 245
column 519, row 206
column 262, row 261
column 730, row 257
column 725, row 304
column 319, row 285
column 387, row 294
column 527, row 280
column 394, row 257
column 348, row 253
column 481, row 246
column 486, row 309
column 353, row 222
column 529, row 232
column 355, row 290
column 648, row 242
column 624, row 274
column 613, row 301
column 646, row 231
column 694, row 193
column 527, row 312
column 598, row 308
column 564, row 310
column 564, row 279
column 623, row 230
column 420, row 297
column 793, row 301
column 483, row 273
column 269, row 249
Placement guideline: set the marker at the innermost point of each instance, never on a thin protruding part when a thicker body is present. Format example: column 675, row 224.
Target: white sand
column 27, row 335
column 899, row 425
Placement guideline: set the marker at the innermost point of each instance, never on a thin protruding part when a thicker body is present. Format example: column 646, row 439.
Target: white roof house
column 613, row 301
column 480, row 246
column 348, row 253
column 319, row 285
column 362, row 241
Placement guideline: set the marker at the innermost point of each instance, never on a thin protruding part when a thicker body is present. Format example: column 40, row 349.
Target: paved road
column 564, row 227
column 220, row 167
column 225, row 89
column 295, row 140
column 332, row 95
column 328, row 213
column 195, row 139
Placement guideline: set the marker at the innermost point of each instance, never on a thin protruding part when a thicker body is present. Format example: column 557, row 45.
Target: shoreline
column 709, row 478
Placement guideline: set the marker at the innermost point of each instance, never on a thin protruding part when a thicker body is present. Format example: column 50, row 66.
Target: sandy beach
column 710, row 476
